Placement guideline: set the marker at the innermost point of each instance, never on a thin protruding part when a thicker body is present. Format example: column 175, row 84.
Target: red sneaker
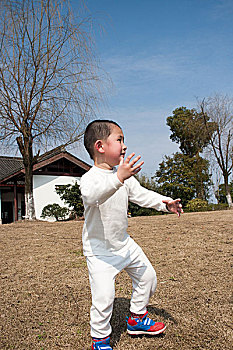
column 144, row 325
column 101, row 344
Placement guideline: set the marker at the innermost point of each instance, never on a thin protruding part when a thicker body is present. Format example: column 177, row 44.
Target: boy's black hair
column 97, row 130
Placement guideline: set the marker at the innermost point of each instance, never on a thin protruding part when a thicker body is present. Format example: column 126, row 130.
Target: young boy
column 107, row 246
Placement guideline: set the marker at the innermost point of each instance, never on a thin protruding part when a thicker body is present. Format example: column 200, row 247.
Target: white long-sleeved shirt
column 105, row 201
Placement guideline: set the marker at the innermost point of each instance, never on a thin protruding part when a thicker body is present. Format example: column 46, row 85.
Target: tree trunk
column 228, row 192
column 229, row 200
column 197, row 169
column 29, row 199
column 25, row 146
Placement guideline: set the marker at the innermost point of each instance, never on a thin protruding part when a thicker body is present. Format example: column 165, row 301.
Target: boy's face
column 114, row 147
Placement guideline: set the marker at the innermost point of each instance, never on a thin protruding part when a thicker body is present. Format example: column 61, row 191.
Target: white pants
column 102, row 274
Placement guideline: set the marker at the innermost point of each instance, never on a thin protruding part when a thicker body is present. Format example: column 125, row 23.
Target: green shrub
column 197, row 204
column 71, row 194
column 54, row 210
column 219, row 206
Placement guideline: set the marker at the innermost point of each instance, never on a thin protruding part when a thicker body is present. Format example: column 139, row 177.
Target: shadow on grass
column 121, row 311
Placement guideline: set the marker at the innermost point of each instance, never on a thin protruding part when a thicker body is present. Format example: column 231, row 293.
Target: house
column 56, row 167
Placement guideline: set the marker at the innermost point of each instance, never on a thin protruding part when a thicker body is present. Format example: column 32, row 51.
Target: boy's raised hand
column 174, row 206
column 128, row 167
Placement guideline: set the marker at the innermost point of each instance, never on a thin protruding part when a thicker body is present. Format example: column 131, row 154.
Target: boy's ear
column 98, row 146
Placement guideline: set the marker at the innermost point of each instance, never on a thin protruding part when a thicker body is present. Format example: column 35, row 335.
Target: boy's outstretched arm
column 174, row 206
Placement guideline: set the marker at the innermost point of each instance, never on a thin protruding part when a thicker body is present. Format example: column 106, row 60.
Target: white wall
column 44, row 191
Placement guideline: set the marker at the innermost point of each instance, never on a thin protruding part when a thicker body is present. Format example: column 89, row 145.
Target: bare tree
column 49, row 78
column 219, row 109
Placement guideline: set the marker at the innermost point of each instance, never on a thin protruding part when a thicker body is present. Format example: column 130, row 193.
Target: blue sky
column 160, row 55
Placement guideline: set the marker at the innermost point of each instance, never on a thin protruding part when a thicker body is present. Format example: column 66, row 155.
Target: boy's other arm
column 141, row 195
column 146, row 198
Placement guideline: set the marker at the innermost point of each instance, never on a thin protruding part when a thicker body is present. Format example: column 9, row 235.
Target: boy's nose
column 124, row 147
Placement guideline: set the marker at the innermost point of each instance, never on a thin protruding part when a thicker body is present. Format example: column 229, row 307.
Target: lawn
column 45, row 296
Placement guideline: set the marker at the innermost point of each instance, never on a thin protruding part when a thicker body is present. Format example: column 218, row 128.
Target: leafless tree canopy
column 49, row 78
column 49, row 82
column 219, row 109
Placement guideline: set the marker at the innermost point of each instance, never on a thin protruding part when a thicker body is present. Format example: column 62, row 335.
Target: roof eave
column 63, row 154
column 22, row 171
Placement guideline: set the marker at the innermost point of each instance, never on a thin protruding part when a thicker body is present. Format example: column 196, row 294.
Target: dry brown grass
column 45, row 296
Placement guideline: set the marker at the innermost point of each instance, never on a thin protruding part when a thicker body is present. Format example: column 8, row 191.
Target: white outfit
column 108, row 247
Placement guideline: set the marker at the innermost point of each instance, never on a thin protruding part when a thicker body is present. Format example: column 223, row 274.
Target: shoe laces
column 144, row 319
column 137, row 317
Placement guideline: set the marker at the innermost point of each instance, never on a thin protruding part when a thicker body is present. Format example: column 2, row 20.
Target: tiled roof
column 9, row 165
column 51, row 154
